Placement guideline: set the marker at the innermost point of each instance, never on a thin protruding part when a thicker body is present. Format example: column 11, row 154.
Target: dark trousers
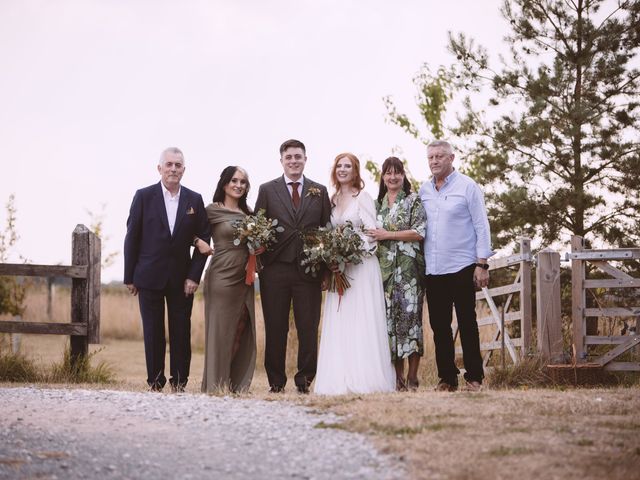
column 443, row 293
column 179, row 312
column 280, row 284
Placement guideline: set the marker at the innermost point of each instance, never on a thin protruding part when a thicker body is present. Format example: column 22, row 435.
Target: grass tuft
column 15, row 367
column 584, row 442
column 81, row 371
column 530, row 372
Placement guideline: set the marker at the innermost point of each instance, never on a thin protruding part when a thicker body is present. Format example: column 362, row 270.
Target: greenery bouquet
column 259, row 234
column 335, row 247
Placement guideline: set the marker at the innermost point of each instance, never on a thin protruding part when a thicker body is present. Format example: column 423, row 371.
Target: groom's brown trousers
column 281, row 284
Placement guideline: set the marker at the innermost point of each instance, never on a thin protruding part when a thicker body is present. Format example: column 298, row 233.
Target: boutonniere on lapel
column 190, row 211
column 313, row 191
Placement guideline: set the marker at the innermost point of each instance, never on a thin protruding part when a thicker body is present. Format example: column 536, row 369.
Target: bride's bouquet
column 259, row 233
column 335, row 247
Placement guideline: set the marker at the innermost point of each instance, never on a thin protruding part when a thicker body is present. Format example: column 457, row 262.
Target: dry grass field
column 519, row 433
column 120, row 320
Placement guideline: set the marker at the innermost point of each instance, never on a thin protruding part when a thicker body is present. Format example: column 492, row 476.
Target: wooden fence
column 548, row 315
column 584, row 337
column 84, row 271
column 501, row 318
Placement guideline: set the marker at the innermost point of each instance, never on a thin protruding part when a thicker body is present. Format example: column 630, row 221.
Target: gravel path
column 80, row 434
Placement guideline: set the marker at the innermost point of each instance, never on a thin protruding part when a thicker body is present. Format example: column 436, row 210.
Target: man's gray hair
column 174, row 150
column 441, row 143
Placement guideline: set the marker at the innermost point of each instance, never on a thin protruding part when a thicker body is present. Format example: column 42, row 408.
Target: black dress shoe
column 446, row 387
column 304, row 389
column 155, row 387
column 179, row 388
column 276, row 389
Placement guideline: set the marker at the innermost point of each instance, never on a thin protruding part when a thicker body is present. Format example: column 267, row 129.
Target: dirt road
column 81, row 434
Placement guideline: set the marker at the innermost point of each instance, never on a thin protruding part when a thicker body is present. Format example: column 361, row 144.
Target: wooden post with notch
column 525, row 296
column 578, row 299
column 85, row 292
column 548, row 309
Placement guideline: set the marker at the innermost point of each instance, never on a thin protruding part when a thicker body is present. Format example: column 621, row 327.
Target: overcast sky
column 93, row 90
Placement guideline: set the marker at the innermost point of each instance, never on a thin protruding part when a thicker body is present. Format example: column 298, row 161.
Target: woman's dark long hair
column 225, row 178
column 392, row 163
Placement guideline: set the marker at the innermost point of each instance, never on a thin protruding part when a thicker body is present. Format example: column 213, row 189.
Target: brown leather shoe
column 472, row 386
column 413, row 385
column 445, row 387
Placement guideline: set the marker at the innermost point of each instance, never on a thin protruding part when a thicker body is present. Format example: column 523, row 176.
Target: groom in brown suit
column 299, row 204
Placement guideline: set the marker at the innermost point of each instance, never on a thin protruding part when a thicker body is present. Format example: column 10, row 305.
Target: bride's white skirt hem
column 354, row 356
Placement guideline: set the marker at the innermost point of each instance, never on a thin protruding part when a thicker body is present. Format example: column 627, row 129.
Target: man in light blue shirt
column 457, row 245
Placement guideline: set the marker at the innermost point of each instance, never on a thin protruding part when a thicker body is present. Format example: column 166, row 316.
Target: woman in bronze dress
column 230, row 333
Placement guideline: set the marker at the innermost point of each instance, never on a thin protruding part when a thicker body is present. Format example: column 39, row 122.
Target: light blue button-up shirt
column 457, row 225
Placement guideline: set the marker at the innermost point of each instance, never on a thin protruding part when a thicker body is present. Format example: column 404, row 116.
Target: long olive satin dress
column 227, row 299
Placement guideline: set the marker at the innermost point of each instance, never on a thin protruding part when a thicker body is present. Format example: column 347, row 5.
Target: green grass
column 337, row 426
column 402, row 431
column 622, row 425
column 584, row 442
column 562, row 429
column 519, row 430
column 503, row 451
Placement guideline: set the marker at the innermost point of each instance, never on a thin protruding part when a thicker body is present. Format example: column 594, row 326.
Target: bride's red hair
column 358, row 182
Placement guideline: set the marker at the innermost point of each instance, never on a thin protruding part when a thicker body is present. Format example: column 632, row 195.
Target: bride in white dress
column 354, row 352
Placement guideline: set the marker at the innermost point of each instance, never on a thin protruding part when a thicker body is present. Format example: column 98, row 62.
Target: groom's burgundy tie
column 295, row 196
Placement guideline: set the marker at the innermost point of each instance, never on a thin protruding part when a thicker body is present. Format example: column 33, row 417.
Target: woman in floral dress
column 400, row 232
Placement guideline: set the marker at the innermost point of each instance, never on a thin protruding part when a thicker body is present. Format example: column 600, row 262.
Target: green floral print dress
column 402, row 266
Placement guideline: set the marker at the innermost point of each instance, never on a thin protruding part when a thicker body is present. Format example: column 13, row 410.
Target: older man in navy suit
column 164, row 220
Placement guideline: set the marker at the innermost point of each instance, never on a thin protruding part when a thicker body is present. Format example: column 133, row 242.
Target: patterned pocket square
column 190, row 211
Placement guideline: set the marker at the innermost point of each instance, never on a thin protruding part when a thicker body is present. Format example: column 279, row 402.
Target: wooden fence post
column 85, row 292
column 525, row 296
column 578, row 299
column 50, row 298
column 548, row 310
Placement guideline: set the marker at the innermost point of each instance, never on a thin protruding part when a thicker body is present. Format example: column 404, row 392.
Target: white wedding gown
column 354, row 352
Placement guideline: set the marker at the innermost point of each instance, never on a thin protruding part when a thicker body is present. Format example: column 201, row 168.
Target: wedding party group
column 377, row 260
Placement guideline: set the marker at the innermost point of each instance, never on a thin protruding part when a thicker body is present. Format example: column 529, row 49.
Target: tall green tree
column 558, row 144
column 433, row 92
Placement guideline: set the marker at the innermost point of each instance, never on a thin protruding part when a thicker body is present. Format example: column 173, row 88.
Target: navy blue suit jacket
column 153, row 257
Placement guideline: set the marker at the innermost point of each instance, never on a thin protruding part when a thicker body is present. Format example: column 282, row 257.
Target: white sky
column 93, row 90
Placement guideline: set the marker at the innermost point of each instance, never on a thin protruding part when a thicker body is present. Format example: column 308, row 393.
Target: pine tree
column 557, row 148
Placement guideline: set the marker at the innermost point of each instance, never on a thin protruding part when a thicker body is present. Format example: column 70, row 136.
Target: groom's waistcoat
column 314, row 211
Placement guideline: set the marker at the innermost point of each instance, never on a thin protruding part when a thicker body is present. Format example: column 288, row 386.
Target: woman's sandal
column 401, row 385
